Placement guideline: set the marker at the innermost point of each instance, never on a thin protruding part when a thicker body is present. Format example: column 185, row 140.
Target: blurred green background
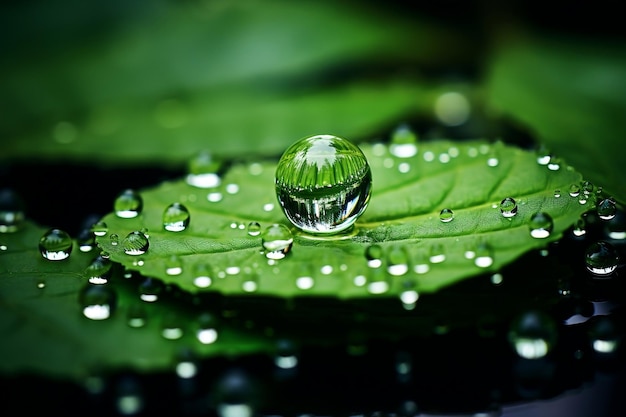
column 150, row 83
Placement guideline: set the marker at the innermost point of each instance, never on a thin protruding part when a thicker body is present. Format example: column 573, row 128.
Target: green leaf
column 45, row 332
column 571, row 93
column 470, row 178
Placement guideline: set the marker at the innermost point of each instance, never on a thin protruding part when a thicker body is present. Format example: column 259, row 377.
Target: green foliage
column 402, row 218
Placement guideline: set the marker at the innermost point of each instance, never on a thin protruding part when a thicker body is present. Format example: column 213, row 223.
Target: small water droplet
column 150, row 290
column 554, row 164
column 579, row 228
column 135, row 243
column 452, row 108
column 533, row 334
column 202, row 170
column 232, row 188
column 601, row 258
column 606, row 209
column 173, row 265
column 323, row 184
column 582, row 199
column 420, row 263
column 496, row 279
column 99, row 270
column 444, row 158
column 446, row 215
column 437, row 254
column 11, row 211
column 484, row 255
column 176, row 217
column 541, row 225
column 55, row 245
column 305, row 282
column 587, row 187
column 115, row 239
column 374, row 256
column 268, row 207
column 508, row 207
column 377, row 284
column 326, row 269
column 277, row 241
column 128, row 204
column 397, row 261
column 404, row 167
column 557, row 193
column 574, row 190
column 605, row 335
column 100, row 228
column 250, row 282
column 97, row 301
column 172, row 327
column 403, row 142
column 214, row 197
column 40, row 283
column 203, row 275
column 409, row 298
column 254, row 229
column 86, row 240
column 207, row 332
column 136, row 316
column 429, row 156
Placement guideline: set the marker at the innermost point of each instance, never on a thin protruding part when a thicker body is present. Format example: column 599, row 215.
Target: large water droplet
column 176, row 218
column 202, row 171
column 11, row 211
column 277, row 241
column 606, row 209
column 508, row 207
column 135, row 243
column 541, row 225
column 533, row 334
column 128, row 204
column 97, row 301
column 601, row 258
column 403, row 142
column 55, row 245
column 446, row 215
column 99, row 270
column 323, row 184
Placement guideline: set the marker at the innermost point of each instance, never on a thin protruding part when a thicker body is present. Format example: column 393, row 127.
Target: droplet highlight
column 128, row 204
column 277, row 241
column 176, row 218
column 601, row 258
column 135, row 243
column 541, row 225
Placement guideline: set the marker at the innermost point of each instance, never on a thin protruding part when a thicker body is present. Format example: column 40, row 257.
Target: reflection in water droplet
column 174, row 265
column 397, row 261
column 403, row 142
column 601, row 258
column 606, row 209
column 128, row 204
column 574, row 190
column 277, row 241
column 55, row 245
column 541, row 225
column 135, row 243
column 323, row 184
column 97, row 301
column 533, row 334
column 176, row 218
column 254, row 229
column 11, row 211
column 99, row 270
column 202, row 171
column 446, row 215
column 508, row 207
column 374, row 256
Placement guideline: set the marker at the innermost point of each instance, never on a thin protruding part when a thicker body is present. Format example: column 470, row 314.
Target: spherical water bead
column 587, row 187
column 277, row 241
column 397, row 261
column 99, row 270
column 452, row 108
column 173, row 265
column 202, row 170
column 508, row 207
column 446, row 215
column 86, row 240
column 574, row 190
column 579, row 227
column 533, row 334
column 323, row 184
column 176, row 217
column 203, row 275
column 55, row 245
column 207, row 331
column 99, row 228
column 374, row 256
column 541, row 225
column 601, row 258
column 484, row 255
column 150, row 290
column 403, row 142
column 11, row 211
column 135, row 243
column 128, row 204
column 97, row 301
column 254, row 229
column 606, row 209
